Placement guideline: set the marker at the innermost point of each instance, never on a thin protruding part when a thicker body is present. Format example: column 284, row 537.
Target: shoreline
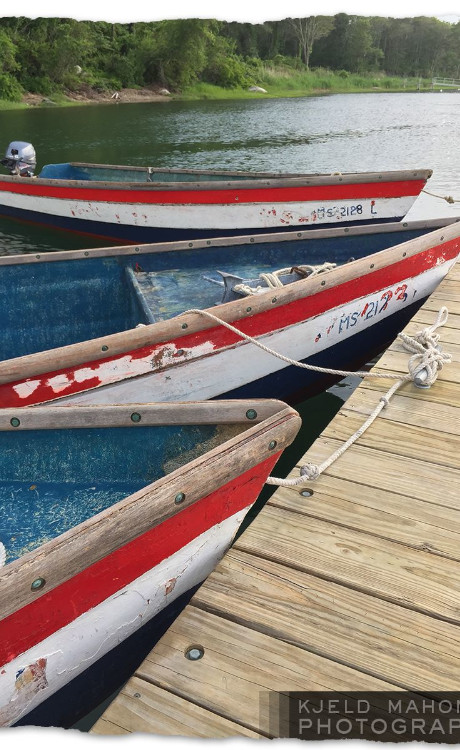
column 149, row 95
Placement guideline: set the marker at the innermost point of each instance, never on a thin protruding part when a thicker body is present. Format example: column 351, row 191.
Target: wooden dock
column 353, row 587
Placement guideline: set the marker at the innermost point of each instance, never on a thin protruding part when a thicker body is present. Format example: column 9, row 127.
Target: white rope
column 282, row 357
column 447, row 198
column 426, row 361
column 273, row 280
column 427, row 358
column 2, row 555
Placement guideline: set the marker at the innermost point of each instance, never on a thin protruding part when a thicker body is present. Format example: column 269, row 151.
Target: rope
column 447, row 198
column 427, row 359
column 273, row 280
column 2, row 555
column 282, row 357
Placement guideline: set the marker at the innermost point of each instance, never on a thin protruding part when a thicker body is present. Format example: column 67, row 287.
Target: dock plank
column 239, row 667
column 143, row 707
column 366, row 562
column 393, row 516
column 373, row 636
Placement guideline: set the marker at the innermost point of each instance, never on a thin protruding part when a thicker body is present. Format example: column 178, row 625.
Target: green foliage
column 10, row 88
column 49, row 56
column 38, row 85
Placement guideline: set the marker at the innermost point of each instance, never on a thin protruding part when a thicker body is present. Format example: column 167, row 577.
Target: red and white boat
column 108, row 515
column 145, row 204
column 108, row 325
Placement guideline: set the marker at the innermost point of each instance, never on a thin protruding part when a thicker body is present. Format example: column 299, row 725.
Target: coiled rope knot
column 424, row 365
column 307, row 471
column 427, row 358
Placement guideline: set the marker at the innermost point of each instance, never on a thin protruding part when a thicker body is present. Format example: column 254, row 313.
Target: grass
column 288, row 82
column 280, row 82
column 5, row 104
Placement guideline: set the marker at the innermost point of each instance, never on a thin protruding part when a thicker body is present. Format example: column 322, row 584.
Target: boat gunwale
column 92, row 540
column 34, row 364
column 207, row 244
column 274, row 181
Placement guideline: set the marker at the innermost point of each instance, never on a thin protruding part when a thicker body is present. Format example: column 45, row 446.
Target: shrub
column 10, row 89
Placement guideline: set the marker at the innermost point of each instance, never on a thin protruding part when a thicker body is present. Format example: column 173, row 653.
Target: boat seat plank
column 161, row 294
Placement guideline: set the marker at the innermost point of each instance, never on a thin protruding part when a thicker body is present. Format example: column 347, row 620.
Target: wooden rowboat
column 144, row 204
column 108, row 515
column 106, row 326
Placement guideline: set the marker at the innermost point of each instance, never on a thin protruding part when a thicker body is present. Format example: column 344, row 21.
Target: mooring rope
column 2, row 555
column 447, row 198
column 426, row 361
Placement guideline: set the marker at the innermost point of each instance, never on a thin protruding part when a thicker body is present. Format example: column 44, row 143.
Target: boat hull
column 138, row 214
column 93, row 561
column 49, row 664
column 356, row 316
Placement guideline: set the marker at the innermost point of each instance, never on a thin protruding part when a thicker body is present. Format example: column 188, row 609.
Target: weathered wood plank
column 365, row 562
column 443, row 392
column 377, row 637
column 441, row 297
column 389, row 515
column 427, row 316
column 143, row 707
column 240, row 665
column 405, row 476
column 395, row 437
column 105, row 726
column 159, row 414
column 406, row 407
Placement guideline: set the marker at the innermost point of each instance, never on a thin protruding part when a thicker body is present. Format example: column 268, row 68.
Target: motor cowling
column 20, row 159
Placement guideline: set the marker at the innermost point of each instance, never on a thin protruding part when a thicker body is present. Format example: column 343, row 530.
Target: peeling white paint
column 59, row 382
column 24, row 390
column 76, row 646
column 215, row 216
column 128, row 366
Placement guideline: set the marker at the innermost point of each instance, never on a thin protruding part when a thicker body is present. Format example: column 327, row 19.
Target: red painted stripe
column 354, row 191
column 256, row 325
column 36, row 621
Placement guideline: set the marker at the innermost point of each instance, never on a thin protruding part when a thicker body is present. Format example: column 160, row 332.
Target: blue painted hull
column 52, row 304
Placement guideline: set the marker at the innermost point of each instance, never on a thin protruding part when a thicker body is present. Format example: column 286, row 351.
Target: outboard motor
column 20, row 159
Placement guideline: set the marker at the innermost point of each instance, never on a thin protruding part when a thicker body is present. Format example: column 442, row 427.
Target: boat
column 148, row 204
column 108, row 515
column 115, row 325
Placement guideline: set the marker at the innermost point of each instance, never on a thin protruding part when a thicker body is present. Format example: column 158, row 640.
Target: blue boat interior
column 52, row 480
column 51, row 304
column 68, row 171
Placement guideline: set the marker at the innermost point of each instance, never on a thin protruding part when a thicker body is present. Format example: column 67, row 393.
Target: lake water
column 338, row 133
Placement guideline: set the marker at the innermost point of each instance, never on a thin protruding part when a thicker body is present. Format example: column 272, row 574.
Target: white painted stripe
column 73, row 648
column 202, row 378
column 215, row 216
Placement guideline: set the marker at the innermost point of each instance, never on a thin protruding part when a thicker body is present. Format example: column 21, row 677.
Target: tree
column 308, row 31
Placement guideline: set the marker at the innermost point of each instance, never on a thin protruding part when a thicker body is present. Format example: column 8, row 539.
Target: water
column 339, row 133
